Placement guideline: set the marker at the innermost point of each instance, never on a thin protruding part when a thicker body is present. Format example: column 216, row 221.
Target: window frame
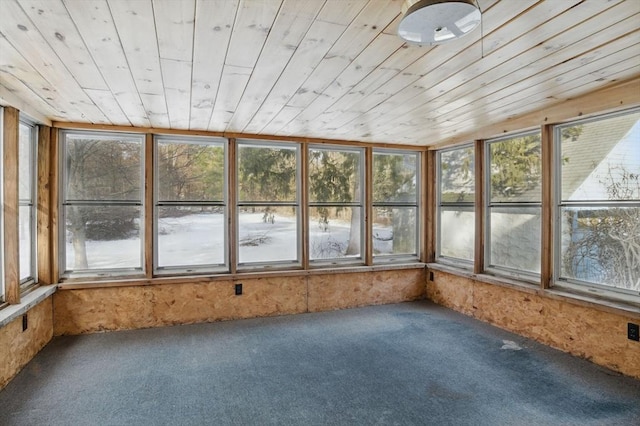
column 362, row 204
column 224, row 203
column 528, row 276
column 574, row 284
column 463, row 206
column 32, row 278
column 239, row 204
column 403, row 257
column 63, row 202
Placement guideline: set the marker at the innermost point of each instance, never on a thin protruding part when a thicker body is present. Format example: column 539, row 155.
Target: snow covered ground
column 198, row 239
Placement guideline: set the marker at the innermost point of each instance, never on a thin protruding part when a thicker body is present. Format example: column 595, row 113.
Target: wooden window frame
column 366, row 245
column 156, row 203
column 456, row 262
column 555, row 280
column 406, row 257
column 31, row 280
column 487, row 205
column 234, row 245
column 106, row 273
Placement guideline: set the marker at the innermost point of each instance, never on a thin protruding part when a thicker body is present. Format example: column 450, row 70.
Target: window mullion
column 479, row 241
column 232, row 219
column 547, row 208
column 148, row 255
column 368, row 209
column 304, row 205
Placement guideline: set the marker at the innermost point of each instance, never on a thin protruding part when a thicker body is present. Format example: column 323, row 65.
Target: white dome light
column 437, row 21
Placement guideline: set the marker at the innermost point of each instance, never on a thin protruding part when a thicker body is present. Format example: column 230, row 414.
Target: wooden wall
column 19, row 347
column 597, row 335
column 90, row 310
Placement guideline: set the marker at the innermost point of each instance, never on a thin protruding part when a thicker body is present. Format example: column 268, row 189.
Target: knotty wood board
column 10, row 203
column 43, row 199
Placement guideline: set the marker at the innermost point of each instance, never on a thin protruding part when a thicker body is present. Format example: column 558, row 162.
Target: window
column 102, row 203
column 268, row 206
column 191, row 232
column 26, row 201
column 598, row 213
column 395, row 204
column 513, row 188
column 336, row 186
column 456, row 195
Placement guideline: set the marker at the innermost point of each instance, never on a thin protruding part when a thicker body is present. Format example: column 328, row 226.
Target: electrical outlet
column 239, row 289
column 25, row 322
column 633, row 332
column 430, row 276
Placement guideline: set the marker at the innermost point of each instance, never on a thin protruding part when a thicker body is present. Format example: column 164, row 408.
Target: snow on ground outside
column 198, row 239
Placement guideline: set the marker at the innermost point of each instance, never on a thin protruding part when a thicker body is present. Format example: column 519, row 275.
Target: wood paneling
column 451, row 291
column 96, row 27
column 323, row 69
column 43, row 199
column 136, row 27
column 88, row 311
column 54, row 208
column 10, row 140
column 594, row 334
column 429, row 206
column 18, row 346
column 330, row 292
column 31, row 44
column 91, row 310
column 620, row 95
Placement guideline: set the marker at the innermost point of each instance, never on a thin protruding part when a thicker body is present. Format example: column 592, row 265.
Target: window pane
column 457, row 226
column 600, row 245
column 267, row 173
column 102, row 237
column 394, row 177
column 334, row 232
column 25, row 163
column 191, row 236
column 394, row 230
column 268, row 234
column 334, row 176
column 601, row 159
column 190, row 172
column 103, row 169
column 26, row 239
column 456, row 176
column 515, row 169
column 515, row 238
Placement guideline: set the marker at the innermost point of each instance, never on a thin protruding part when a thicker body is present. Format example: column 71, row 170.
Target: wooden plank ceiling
column 331, row 69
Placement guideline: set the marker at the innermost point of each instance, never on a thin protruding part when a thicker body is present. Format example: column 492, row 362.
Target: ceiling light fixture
column 427, row 22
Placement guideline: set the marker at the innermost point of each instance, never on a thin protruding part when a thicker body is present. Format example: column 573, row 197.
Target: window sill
column 204, row 279
column 602, row 303
column 29, row 300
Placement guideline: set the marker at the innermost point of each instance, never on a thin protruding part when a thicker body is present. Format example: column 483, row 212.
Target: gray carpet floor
column 404, row 364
